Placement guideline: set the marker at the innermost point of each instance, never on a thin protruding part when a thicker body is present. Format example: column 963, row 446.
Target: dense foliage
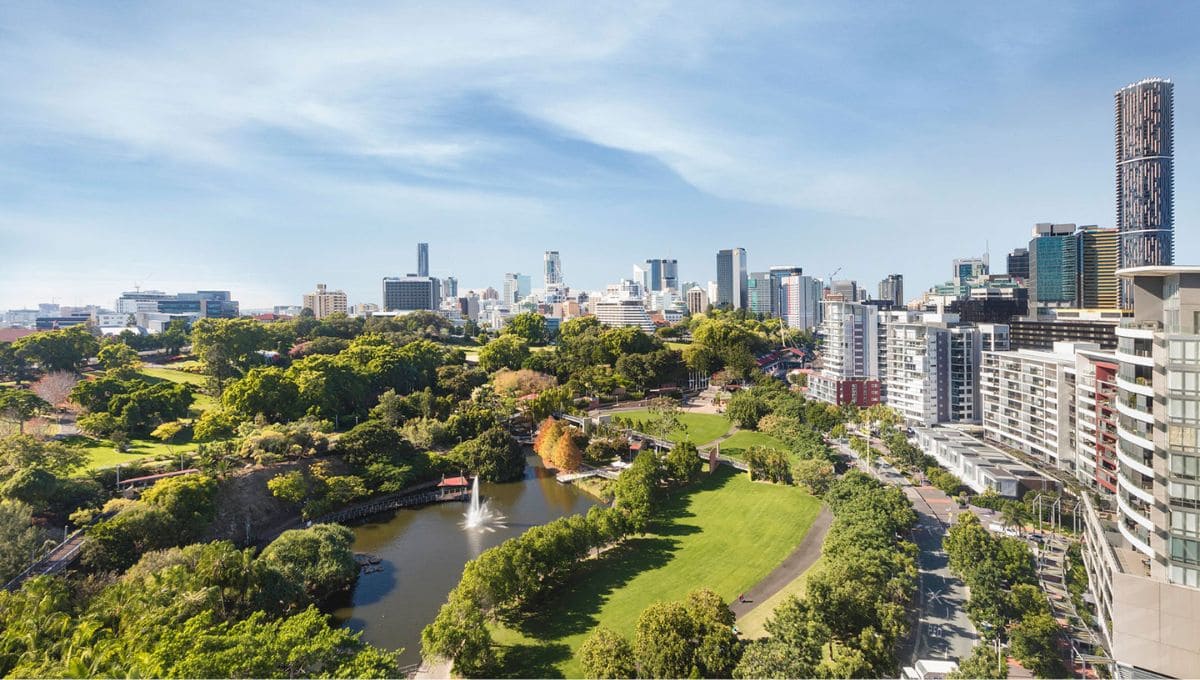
column 205, row 610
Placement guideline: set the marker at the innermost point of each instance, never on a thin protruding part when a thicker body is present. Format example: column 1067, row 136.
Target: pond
column 423, row 552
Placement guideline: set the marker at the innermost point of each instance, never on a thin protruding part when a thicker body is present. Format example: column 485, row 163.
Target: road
column 943, row 629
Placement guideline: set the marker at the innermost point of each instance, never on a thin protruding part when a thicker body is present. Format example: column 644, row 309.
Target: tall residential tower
column 1145, row 141
column 422, row 259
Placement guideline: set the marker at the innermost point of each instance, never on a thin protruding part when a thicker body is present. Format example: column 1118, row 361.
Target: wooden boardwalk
column 61, row 557
column 394, row 503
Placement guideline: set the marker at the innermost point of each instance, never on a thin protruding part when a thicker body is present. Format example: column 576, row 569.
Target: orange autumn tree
column 547, row 438
column 567, row 455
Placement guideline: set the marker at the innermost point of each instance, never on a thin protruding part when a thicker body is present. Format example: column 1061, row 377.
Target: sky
column 267, row 147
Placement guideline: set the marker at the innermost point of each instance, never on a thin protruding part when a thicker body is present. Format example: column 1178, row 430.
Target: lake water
column 424, row 550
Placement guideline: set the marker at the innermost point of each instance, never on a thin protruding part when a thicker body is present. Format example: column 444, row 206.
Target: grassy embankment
column 726, row 533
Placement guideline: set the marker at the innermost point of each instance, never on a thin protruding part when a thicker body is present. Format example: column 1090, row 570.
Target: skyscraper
column 662, row 274
column 1053, row 266
column 552, row 266
column 1099, row 249
column 1145, row 131
column 892, row 289
column 758, row 293
column 732, row 276
column 422, row 259
column 778, row 274
column 1018, row 264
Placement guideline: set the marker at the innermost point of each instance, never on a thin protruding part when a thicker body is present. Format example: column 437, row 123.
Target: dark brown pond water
column 423, row 552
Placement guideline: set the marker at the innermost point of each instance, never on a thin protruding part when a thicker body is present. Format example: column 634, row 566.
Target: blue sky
column 267, row 147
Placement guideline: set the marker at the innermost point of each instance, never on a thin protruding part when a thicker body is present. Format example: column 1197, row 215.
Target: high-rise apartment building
column 797, row 298
column 732, row 279
column 850, row 360
column 1096, row 419
column 1143, row 555
column 408, row 293
column 697, row 300
column 1098, row 254
column 1145, row 136
column 422, row 259
column 1018, row 264
column 552, row 270
column 892, row 289
column 450, row 288
column 324, row 302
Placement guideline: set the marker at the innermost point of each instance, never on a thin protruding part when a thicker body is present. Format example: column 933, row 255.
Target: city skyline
column 773, row 129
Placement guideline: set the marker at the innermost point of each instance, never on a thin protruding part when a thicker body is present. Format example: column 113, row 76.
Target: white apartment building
column 850, row 355
column 979, row 465
column 917, row 370
column 1028, row 401
column 324, row 302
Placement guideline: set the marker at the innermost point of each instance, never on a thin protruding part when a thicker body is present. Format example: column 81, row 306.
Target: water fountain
column 479, row 515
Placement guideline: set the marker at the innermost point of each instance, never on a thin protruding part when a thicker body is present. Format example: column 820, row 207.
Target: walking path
column 795, row 564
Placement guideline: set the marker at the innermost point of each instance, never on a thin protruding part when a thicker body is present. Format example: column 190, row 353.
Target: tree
column 683, row 462
column 716, row 650
column 664, row 641
column 567, row 456
column 460, row 633
column 289, row 486
column 228, row 347
column 55, row 386
column 746, row 408
column 19, row 536
column 318, row 559
column 982, row 664
column 772, row 659
column 665, row 417
column 494, row 456
column 374, row 441
column 63, row 350
column 1034, row 642
column 506, row 351
column 768, row 464
column 116, row 543
column 119, row 360
column 814, row 475
column 605, row 654
column 14, row 365
column 547, row 437
column 529, row 326
column 264, row 391
column 174, row 336
column 190, row 501
column 21, row 405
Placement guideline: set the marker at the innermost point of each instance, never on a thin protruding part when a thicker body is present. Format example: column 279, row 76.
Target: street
column 943, row 629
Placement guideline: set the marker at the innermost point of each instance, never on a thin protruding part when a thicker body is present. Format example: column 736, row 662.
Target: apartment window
column 1184, row 351
column 1182, row 438
column 1184, row 494
column 1184, row 411
column 1185, row 576
column 1185, row 523
column 1183, row 382
column 1185, row 550
column 1185, row 466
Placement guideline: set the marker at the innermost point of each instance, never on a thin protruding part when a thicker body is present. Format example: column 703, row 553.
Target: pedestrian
column 741, row 597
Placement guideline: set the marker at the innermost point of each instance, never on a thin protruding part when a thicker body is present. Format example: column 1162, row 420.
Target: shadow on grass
column 571, row 608
column 532, row 661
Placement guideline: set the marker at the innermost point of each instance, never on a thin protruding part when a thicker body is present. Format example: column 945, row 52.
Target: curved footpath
column 791, row 568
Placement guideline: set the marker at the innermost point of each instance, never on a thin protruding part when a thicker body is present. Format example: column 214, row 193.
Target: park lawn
column 677, row 346
column 725, row 533
column 752, row 623
column 701, row 428
column 102, row 454
column 741, row 440
column 172, row 375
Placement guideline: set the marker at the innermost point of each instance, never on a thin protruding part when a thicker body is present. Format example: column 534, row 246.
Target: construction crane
column 829, row 281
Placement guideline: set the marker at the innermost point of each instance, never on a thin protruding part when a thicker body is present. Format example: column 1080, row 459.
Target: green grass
column 726, row 533
column 741, row 440
column 172, row 375
column 677, row 346
column 752, row 623
column 701, row 428
column 102, row 454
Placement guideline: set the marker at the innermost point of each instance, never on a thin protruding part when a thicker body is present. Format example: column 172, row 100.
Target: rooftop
column 1158, row 270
